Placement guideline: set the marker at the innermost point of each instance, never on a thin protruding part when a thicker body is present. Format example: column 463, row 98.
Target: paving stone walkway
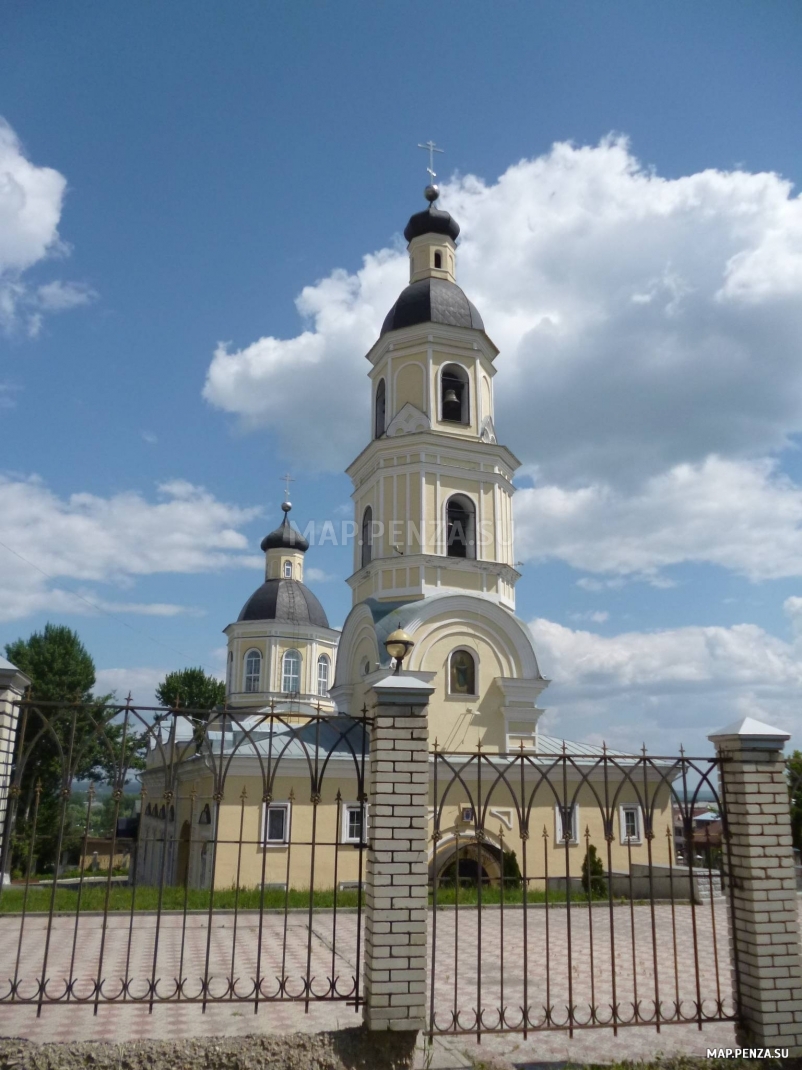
column 153, row 950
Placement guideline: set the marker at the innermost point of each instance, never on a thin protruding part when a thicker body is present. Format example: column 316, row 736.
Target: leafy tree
column 58, row 665
column 511, row 871
column 72, row 738
column 795, row 789
column 593, row 880
column 191, row 689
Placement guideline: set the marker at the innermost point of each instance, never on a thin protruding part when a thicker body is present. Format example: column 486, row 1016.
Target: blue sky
column 173, row 177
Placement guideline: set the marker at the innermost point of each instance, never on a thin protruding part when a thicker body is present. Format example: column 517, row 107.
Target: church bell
column 450, row 397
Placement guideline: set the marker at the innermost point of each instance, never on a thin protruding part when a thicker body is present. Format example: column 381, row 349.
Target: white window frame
column 284, row 656
column 266, row 807
column 349, row 808
column 558, row 826
column 287, row 570
column 246, row 676
column 323, row 659
column 622, row 811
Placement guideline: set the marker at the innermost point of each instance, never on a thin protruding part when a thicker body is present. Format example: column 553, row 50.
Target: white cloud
column 594, row 616
column 90, row 539
column 649, row 358
column 261, row 382
column 666, row 687
column 59, row 296
column 643, row 322
column 318, row 575
column 140, row 683
column 741, row 515
column 31, row 201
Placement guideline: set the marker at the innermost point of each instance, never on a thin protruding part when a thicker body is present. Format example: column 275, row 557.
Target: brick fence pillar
column 767, row 967
column 397, row 866
column 12, row 687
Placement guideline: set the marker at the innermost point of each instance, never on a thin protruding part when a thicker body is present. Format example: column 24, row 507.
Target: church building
column 434, row 557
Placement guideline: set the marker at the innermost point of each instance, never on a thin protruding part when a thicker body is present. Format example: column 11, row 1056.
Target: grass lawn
column 93, row 898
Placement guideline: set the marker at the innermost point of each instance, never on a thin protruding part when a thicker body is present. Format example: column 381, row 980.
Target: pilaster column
column 767, row 967
column 12, row 687
column 397, row 865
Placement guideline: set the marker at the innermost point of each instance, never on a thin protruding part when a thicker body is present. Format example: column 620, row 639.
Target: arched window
column 323, row 666
column 291, row 672
column 367, row 536
column 253, row 671
column 462, row 673
column 454, row 395
column 288, row 570
column 381, row 408
column 438, row 260
column 229, row 671
column 460, row 527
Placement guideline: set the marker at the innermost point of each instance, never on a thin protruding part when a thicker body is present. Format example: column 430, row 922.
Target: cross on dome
column 431, row 148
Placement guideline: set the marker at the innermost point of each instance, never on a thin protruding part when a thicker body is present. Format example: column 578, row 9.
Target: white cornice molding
column 440, row 442
column 440, row 561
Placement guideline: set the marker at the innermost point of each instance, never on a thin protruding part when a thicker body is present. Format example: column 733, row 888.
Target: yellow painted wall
column 544, row 853
column 409, row 385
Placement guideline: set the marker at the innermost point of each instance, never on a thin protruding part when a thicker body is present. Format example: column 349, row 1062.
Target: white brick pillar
column 767, row 966
column 12, row 687
column 397, row 864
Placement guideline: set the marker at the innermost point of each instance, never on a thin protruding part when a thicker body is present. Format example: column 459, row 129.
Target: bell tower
column 433, row 487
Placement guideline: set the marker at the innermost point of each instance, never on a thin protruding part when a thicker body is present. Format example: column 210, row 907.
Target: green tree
column 191, row 689
column 593, row 880
column 58, row 664
column 511, row 871
column 69, row 735
column 795, row 789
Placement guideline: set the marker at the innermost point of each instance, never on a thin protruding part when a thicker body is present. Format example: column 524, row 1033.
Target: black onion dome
column 432, row 301
column 285, row 536
column 431, row 221
column 285, row 600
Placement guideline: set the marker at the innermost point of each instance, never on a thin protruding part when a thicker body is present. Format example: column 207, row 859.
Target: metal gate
column 162, row 855
column 576, row 890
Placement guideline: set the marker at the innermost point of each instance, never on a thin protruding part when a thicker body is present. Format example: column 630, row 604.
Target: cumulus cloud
column 643, row 322
column 666, row 687
column 31, row 201
column 741, row 515
column 114, row 540
column 259, row 383
column 649, row 358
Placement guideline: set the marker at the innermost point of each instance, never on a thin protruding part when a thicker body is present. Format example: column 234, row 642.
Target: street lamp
column 398, row 644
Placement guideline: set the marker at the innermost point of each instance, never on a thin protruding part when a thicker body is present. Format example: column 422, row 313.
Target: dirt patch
column 346, row 1049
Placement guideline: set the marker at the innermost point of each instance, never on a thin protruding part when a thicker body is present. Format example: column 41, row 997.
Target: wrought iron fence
column 154, row 855
column 577, row 890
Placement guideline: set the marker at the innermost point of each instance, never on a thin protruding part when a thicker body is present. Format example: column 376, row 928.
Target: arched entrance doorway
column 468, row 862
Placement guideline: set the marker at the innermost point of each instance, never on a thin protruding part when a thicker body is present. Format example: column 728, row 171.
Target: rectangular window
column 573, row 812
column 276, row 824
column 352, row 823
column 630, row 824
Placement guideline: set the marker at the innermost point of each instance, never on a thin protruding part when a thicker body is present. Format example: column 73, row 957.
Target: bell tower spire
column 433, row 489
